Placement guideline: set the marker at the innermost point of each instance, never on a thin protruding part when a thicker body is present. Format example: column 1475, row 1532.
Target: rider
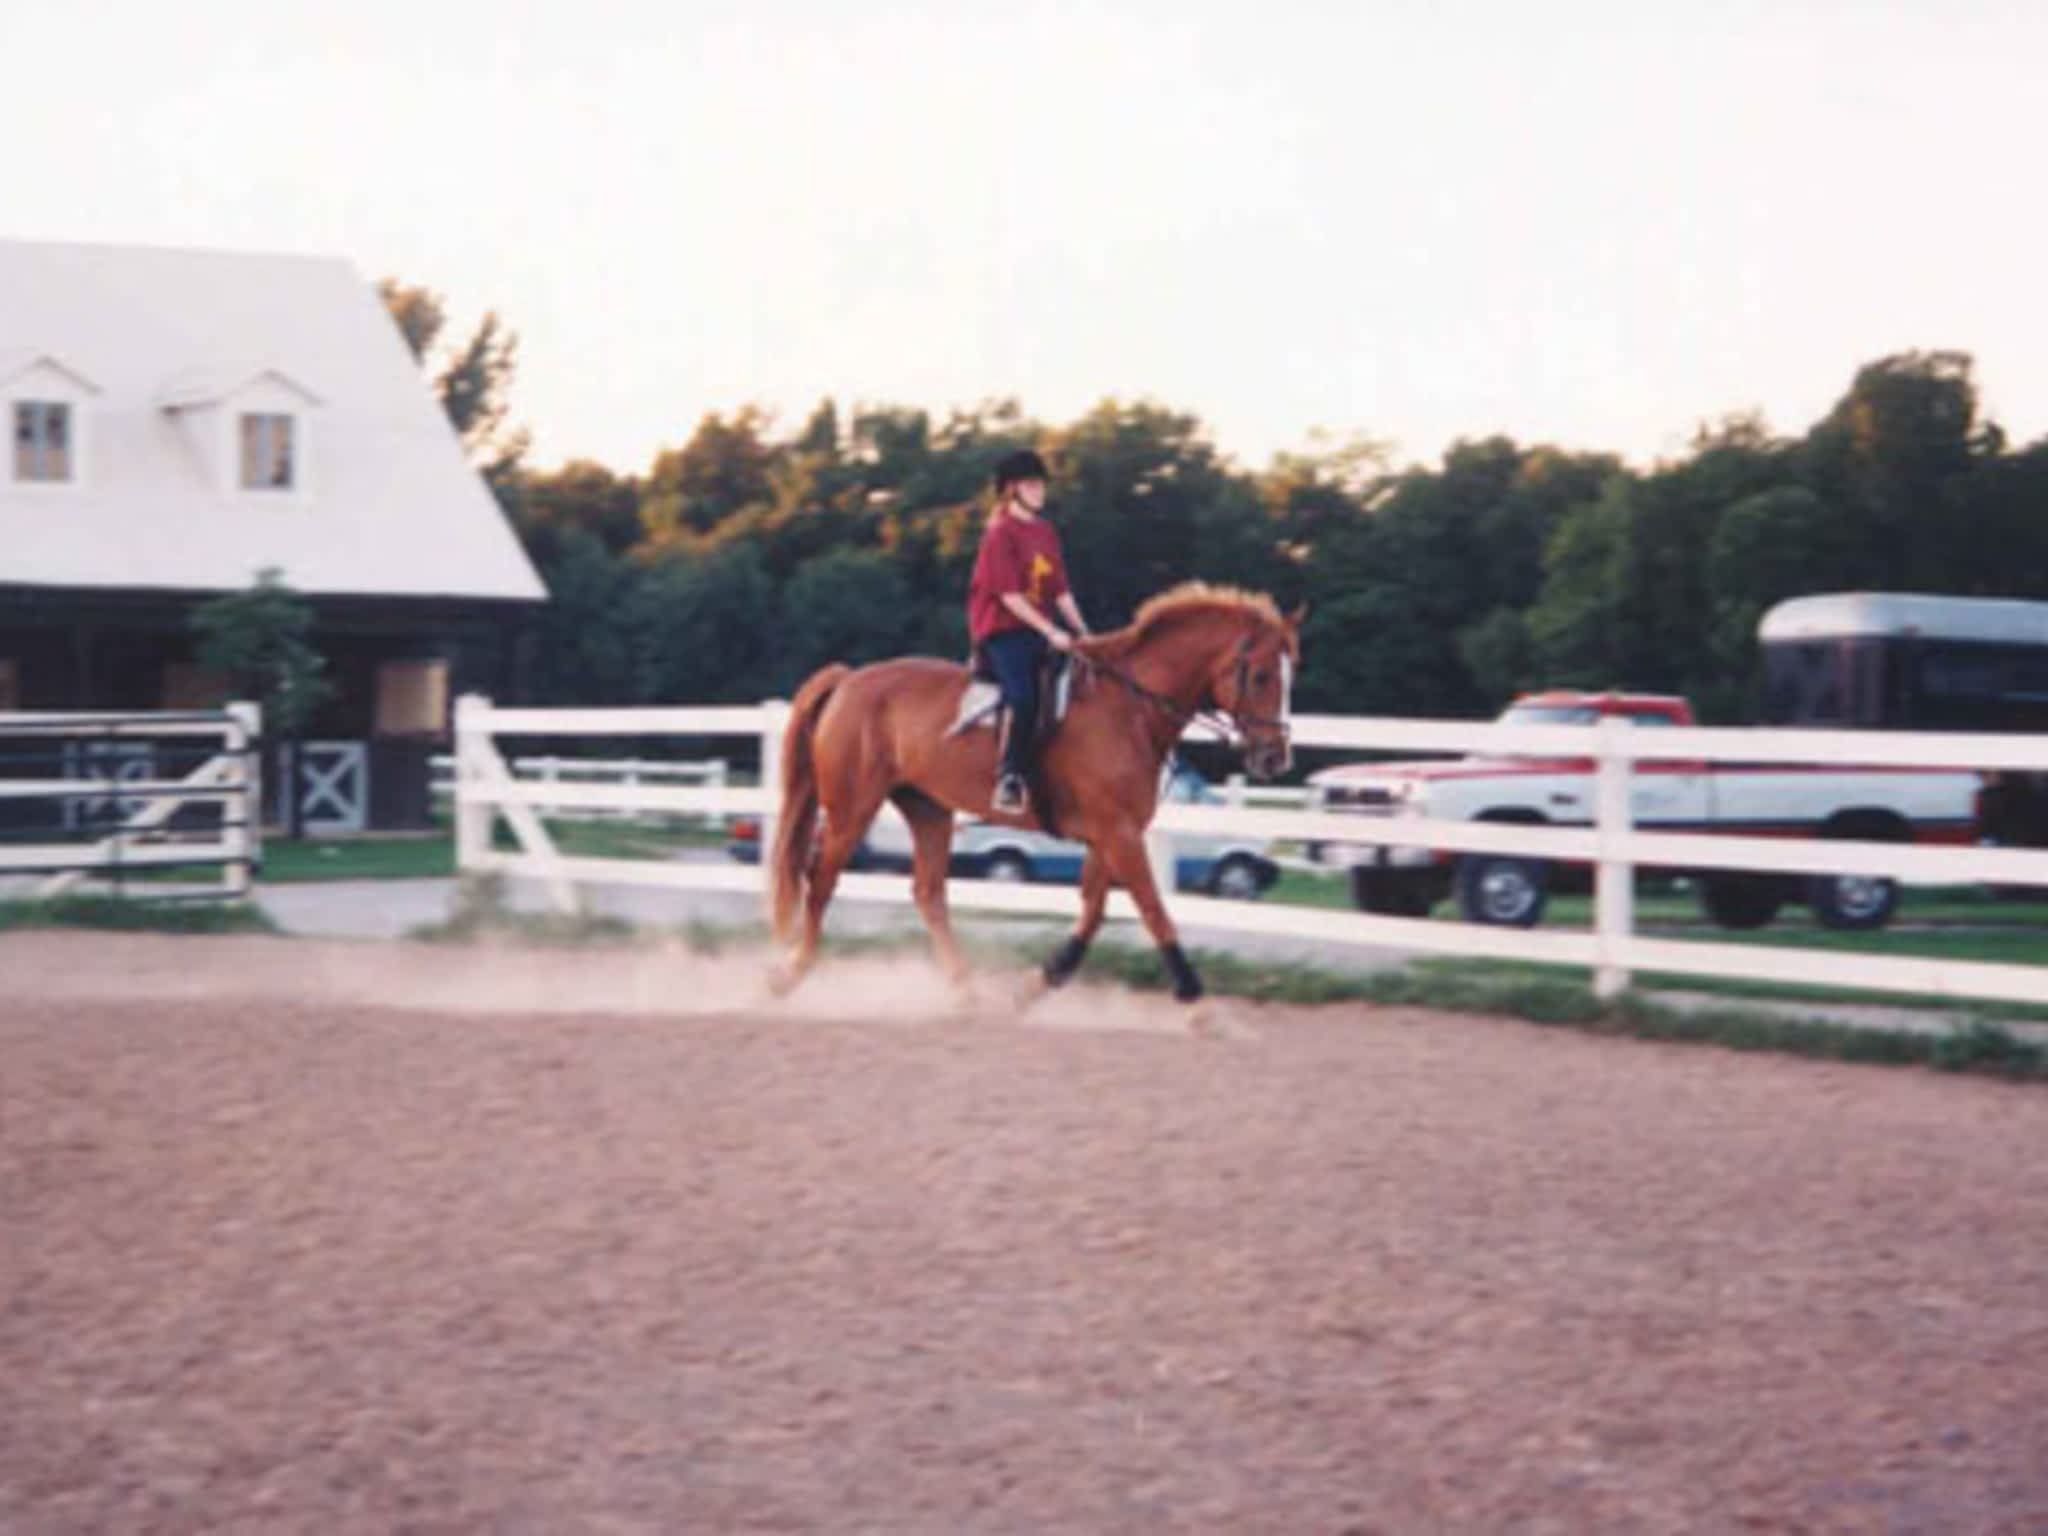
column 1020, row 579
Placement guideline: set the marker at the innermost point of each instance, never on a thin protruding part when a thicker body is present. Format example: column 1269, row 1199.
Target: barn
column 181, row 420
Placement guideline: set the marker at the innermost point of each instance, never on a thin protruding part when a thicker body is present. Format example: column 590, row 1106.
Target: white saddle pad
column 981, row 703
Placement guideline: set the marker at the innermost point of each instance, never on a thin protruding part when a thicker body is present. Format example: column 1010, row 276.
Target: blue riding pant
column 1016, row 657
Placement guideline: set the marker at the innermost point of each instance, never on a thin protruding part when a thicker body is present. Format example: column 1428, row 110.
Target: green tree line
column 740, row 561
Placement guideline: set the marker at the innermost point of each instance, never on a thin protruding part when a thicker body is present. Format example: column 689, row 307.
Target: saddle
column 981, row 703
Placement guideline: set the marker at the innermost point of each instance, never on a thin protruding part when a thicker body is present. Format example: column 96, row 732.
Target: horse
column 855, row 738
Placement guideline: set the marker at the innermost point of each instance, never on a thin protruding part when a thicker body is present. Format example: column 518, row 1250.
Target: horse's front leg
column 1059, row 970
column 1131, row 869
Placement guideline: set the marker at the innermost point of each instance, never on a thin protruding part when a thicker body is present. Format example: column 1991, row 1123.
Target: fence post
column 715, row 778
column 244, row 843
column 551, row 775
column 774, row 717
column 1159, row 854
column 472, row 816
column 1614, row 883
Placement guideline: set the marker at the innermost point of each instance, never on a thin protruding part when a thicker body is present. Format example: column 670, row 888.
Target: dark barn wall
column 106, row 649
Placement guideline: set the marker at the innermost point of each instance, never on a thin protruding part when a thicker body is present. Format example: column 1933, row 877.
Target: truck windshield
column 1573, row 714
column 1549, row 714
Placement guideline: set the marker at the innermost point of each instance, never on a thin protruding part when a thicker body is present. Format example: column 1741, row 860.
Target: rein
column 1218, row 720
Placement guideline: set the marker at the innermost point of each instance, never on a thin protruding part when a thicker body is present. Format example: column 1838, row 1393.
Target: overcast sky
column 1592, row 224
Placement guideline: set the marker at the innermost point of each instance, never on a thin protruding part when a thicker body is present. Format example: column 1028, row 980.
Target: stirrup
column 1010, row 798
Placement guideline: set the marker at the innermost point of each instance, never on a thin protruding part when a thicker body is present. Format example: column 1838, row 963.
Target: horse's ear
column 1298, row 618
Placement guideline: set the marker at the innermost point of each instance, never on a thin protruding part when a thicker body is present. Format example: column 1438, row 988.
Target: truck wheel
column 1504, row 892
column 1741, row 901
column 1389, row 892
column 1852, row 902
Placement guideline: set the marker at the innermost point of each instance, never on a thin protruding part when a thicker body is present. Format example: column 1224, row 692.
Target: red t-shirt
column 1016, row 556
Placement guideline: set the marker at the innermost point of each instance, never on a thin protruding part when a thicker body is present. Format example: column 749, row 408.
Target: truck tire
column 1857, row 903
column 1501, row 891
column 1388, row 892
column 1852, row 903
column 1741, row 901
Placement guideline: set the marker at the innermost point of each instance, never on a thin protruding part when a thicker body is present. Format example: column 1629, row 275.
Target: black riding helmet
column 1021, row 465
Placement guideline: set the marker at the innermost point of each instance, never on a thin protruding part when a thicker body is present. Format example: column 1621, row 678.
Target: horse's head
column 1253, row 683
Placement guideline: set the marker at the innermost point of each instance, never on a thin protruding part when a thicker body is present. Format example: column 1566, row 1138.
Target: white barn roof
column 387, row 505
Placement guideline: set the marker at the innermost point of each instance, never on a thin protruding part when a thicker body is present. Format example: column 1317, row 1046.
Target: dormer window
column 250, row 429
column 42, row 441
column 267, row 451
column 47, row 407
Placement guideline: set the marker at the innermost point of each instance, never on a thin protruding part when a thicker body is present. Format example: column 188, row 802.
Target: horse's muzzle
column 1267, row 757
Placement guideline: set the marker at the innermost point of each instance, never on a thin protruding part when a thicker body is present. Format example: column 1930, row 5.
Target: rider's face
column 1029, row 494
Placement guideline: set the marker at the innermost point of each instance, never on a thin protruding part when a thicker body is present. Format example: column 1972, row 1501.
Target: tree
column 418, row 312
column 260, row 639
column 1144, row 503
column 473, row 380
column 849, row 605
column 705, row 629
column 1779, row 543
column 581, row 496
column 1500, row 655
column 585, row 650
column 475, row 386
column 1579, row 625
column 722, row 469
column 1895, row 453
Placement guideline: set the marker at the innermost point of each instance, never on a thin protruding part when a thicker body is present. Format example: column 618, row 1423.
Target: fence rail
column 627, row 788
column 122, row 817
column 486, row 788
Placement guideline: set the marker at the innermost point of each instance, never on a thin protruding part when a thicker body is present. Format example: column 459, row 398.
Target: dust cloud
column 665, row 980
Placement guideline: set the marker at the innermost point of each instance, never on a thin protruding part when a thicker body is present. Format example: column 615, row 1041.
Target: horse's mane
column 1189, row 598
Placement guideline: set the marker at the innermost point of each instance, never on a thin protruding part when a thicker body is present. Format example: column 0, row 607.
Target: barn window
column 42, row 440
column 267, row 451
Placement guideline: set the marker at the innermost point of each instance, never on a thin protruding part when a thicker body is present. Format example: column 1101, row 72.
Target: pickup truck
column 1873, row 804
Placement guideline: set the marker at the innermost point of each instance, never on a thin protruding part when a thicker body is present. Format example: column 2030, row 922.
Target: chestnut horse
column 857, row 738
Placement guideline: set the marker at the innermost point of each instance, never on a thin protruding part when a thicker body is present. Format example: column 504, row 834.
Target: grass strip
column 1535, row 994
column 135, row 914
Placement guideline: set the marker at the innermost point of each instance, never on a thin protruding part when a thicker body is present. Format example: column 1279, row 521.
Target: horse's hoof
column 1209, row 1020
column 1030, row 991
column 963, row 996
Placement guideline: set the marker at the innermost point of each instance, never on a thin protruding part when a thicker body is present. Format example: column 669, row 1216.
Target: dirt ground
column 336, row 1238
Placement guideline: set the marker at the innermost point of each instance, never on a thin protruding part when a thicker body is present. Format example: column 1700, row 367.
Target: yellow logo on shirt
column 1041, row 573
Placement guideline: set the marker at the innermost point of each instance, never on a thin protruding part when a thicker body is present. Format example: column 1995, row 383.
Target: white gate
column 117, row 813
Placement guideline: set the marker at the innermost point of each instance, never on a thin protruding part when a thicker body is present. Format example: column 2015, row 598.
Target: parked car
column 1238, row 868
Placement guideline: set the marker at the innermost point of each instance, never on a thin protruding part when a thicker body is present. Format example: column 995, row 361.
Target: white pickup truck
column 1874, row 804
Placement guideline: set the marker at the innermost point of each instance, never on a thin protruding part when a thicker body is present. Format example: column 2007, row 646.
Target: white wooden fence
column 486, row 788
column 120, row 810
column 712, row 772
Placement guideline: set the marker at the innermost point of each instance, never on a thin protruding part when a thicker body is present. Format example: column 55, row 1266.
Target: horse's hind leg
column 931, row 834
column 838, row 840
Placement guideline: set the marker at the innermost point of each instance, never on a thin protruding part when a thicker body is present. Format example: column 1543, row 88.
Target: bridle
column 1225, row 723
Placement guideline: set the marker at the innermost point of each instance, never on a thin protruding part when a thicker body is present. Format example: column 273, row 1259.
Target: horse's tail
column 798, row 821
